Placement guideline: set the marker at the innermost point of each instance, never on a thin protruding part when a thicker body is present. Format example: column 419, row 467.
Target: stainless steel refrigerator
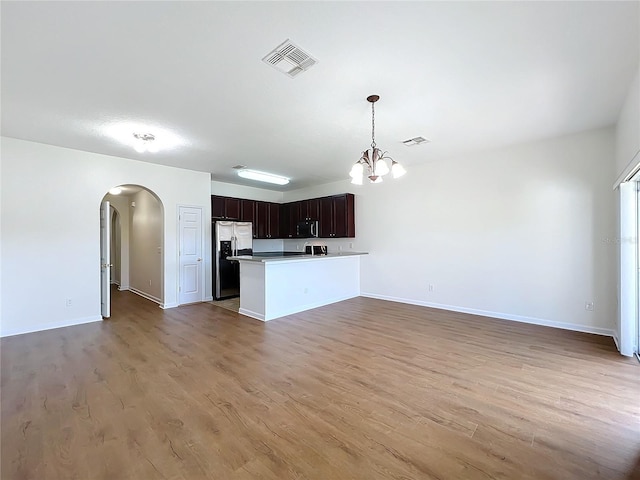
column 229, row 239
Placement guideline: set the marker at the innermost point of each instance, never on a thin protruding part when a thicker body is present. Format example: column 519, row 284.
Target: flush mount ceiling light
column 138, row 135
column 145, row 142
column 263, row 177
column 374, row 160
column 115, row 191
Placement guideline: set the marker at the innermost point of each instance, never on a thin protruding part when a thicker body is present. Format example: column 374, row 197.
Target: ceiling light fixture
column 145, row 143
column 374, row 159
column 115, row 191
column 263, row 177
column 124, row 132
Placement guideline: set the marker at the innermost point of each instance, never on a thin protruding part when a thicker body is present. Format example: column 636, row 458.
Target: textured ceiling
column 464, row 75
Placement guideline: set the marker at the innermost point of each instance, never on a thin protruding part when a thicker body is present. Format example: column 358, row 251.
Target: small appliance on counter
column 315, row 249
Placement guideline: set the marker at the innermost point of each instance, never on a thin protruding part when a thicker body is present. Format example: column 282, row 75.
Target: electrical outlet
column 149, row 282
column 297, row 246
column 431, row 287
column 588, row 306
column 306, row 290
column 340, row 247
column 69, row 302
column 351, row 245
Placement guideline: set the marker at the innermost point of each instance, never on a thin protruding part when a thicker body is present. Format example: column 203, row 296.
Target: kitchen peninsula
column 274, row 287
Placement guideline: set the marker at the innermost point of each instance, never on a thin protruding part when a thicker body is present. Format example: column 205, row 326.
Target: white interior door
column 105, row 260
column 191, row 288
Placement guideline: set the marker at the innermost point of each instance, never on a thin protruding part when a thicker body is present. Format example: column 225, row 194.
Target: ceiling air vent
column 239, row 167
column 415, row 141
column 289, row 59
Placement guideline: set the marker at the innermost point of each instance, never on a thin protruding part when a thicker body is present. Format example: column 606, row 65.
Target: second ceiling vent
column 289, row 59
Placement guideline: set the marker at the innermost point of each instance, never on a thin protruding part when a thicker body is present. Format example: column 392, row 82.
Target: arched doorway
column 137, row 241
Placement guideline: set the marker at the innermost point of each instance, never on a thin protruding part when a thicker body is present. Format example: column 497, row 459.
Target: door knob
column 199, row 259
column 106, row 265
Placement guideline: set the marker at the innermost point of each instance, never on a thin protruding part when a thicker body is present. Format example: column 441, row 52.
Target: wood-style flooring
column 362, row 389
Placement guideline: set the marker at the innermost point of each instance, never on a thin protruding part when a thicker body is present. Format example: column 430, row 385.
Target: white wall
column 145, row 245
column 242, row 191
column 122, row 203
column 47, row 258
column 524, row 232
column 628, row 130
column 115, row 247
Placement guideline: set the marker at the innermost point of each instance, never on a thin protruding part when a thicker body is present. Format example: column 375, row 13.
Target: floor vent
column 289, row 59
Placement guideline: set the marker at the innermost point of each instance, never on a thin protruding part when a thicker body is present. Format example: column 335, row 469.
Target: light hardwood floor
column 363, row 389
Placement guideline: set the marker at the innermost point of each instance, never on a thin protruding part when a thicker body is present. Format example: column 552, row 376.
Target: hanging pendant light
column 373, row 161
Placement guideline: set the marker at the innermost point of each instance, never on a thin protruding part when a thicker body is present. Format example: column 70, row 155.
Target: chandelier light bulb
column 357, row 171
column 397, row 170
column 381, row 167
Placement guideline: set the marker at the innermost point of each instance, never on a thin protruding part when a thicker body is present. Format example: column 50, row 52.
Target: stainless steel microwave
column 307, row 229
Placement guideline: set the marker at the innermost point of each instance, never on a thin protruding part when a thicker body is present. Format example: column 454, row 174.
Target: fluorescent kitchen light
column 263, row 177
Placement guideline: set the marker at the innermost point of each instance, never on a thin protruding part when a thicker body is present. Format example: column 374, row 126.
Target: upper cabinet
column 225, row 207
column 337, row 216
column 289, row 213
column 310, row 209
column 267, row 220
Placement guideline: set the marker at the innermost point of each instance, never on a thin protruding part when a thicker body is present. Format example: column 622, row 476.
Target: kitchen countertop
column 294, row 258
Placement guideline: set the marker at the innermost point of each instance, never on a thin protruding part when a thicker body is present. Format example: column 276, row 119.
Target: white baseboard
column 615, row 339
column 123, row 288
column 145, row 295
column 608, row 332
column 51, row 326
column 115, row 282
column 252, row 314
column 165, row 306
column 208, row 299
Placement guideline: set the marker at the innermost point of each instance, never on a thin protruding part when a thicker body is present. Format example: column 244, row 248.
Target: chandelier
column 373, row 160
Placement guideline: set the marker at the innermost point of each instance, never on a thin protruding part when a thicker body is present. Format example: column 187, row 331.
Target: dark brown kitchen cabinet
column 288, row 220
column 295, row 215
column 267, row 220
column 273, row 229
column 225, row 207
column 310, row 209
column 247, row 210
column 337, row 216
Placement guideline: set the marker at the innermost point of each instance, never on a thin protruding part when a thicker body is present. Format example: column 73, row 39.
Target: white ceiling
column 464, row 75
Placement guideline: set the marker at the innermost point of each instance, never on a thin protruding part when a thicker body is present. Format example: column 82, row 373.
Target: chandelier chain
column 373, row 125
